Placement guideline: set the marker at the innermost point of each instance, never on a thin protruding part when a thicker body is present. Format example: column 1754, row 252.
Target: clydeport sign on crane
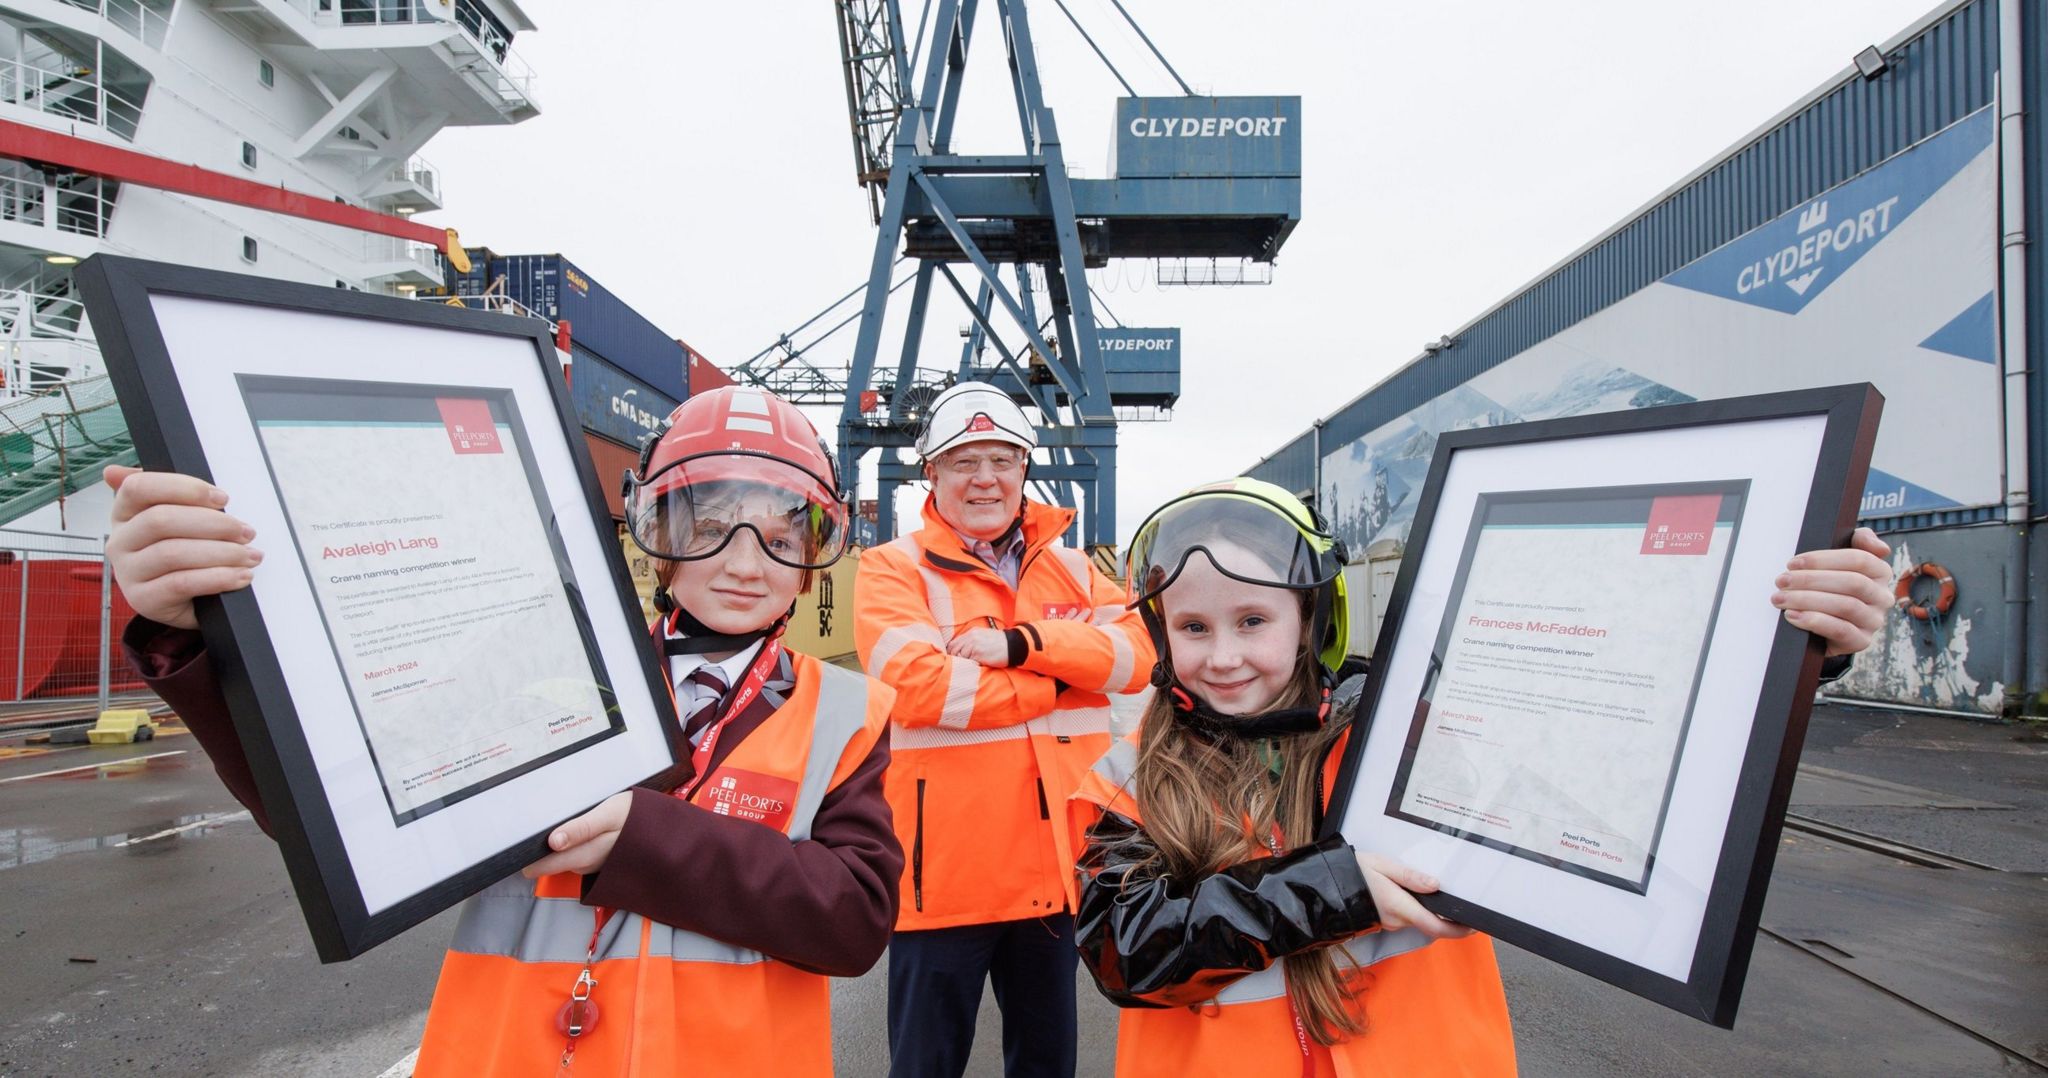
column 1196, row 178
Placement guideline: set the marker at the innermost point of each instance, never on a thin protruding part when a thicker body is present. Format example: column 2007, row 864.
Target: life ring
column 1942, row 602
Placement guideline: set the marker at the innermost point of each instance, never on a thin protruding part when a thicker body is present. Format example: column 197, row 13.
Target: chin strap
column 1212, row 725
column 698, row 638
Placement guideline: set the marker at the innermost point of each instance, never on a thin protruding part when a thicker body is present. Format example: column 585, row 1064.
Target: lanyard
column 1276, row 843
column 579, row 1015
column 750, row 686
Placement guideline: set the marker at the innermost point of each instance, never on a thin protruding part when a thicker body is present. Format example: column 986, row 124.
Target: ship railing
column 81, row 205
column 73, row 95
column 496, row 302
column 515, row 78
column 26, row 314
column 421, row 173
column 138, row 20
column 386, row 250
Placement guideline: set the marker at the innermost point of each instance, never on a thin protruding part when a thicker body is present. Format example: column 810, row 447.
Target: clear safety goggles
column 693, row 508
column 1245, row 536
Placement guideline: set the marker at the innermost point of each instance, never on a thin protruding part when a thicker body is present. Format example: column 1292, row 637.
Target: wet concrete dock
column 146, row 927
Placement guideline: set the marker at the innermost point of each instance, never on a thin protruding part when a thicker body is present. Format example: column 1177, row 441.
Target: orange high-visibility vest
column 1430, row 1008
column 983, row 760
column 669, row 1002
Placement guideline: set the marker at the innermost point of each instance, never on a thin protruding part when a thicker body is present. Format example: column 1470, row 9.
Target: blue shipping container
column 554, row 288
column 613, row 403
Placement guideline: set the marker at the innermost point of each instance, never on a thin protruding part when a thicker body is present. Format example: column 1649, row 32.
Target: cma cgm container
column 611, row 402
column 555, row 288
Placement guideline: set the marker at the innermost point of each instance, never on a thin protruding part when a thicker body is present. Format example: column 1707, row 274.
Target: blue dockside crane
column 1196, row 178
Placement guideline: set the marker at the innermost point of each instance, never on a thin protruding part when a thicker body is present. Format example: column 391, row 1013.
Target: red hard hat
column 736, row 434
column 742, row 422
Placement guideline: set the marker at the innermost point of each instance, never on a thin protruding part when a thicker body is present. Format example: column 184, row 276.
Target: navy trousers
column 935, row 980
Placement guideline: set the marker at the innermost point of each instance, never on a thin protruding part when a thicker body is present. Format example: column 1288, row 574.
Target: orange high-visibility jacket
column 984, row 759
column 669, row 1002
column 1430, row 1008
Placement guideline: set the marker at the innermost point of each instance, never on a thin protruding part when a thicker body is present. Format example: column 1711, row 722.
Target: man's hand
column 171, row 543
column 1839, row 595
column 582, row 844
column 989, row 647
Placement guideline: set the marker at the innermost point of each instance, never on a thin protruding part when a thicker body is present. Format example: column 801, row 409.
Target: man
column 1001, row 645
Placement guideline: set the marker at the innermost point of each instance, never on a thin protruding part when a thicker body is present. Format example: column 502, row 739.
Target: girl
column 670, row 931
column 1244, row 946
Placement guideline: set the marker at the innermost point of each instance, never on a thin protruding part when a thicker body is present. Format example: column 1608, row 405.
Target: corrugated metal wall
column 1935, row 79
column 1293, row 467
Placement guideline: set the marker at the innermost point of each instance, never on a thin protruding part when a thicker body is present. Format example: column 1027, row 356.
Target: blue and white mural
column 1886, row 278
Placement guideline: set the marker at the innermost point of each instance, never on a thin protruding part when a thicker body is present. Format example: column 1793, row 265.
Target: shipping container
column 704, row 375
column 611, row 461
column 612, row 402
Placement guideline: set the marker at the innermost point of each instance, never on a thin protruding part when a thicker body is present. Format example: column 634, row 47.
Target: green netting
column 55, row 443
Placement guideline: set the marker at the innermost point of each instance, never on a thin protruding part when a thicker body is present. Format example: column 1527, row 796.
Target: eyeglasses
column 999, row 463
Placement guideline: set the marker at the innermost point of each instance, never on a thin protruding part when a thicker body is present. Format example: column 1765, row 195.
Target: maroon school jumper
column 825, row 905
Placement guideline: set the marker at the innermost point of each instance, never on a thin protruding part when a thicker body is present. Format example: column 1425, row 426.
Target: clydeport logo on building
column 1787, row 264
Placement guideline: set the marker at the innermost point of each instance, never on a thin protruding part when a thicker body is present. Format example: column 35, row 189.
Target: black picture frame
column 1712, row 987
column 119, row 294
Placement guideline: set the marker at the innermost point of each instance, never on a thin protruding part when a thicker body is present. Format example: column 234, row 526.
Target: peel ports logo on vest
column 1067, row 611
column 750, row 795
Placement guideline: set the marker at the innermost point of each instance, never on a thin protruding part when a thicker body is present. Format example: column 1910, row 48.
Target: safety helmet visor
column 696, row 507
column 1247, row 537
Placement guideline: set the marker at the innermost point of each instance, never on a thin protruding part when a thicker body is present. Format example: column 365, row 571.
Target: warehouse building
column 1884, row 229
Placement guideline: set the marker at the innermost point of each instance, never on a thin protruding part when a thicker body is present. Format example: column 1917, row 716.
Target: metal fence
column 60, row 619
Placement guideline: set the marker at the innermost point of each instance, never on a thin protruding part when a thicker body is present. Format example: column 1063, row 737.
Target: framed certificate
column 1586, row 713
column 439, row 658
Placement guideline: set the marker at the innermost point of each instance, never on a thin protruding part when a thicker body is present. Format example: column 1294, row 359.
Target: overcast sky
column 695, row 159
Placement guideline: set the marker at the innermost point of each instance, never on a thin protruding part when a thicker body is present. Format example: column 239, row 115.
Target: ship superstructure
column 157, row 122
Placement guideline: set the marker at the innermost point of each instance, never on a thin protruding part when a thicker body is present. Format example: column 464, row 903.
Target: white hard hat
column 974, row 412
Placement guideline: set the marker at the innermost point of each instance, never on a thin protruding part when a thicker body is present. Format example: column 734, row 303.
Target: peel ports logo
column 1681, row 524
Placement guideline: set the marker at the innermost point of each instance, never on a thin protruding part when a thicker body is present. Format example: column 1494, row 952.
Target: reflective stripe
column 1380, row 946
column 1271, row 982
column 842, row 712
column 667, row 942
column 1068, row 722
column 1081, row 570
column 960, row 686
column 1071, row 722
column 1126, row 658
column 939, row 598
column 1268, row 983
column 507, row 920
column 1077, row 566
column 1119, row 766
column 895, row 639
